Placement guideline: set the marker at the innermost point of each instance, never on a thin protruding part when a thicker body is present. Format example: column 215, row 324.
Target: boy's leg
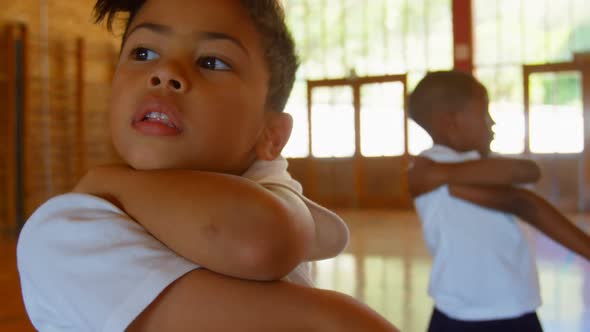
column 438, row 322
column 530, row 322
column 443, row 323
column 206, row 301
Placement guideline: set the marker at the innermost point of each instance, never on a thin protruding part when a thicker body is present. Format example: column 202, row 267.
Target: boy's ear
column 443, row 126
column 276, row 133
column 455, row 126
column 442, row 122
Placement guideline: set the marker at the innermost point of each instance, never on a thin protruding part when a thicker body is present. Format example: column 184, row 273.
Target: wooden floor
column 387, row 267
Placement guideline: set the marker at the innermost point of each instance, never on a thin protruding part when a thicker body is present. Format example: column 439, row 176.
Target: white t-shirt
column 85, row 265
column 482, row 263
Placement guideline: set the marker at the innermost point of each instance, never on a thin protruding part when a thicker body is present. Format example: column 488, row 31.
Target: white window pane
column 556, row 115
column 534, row 31
column 418, row 138
column 383, row 132
column 416, row 35
column 556, row 129
column 504, row 85
column 332, row 122
column 510, row 44
column 509, row 128
column 354, row 24
column 440, row 34
column 375, row 35
column 382, row 119
column 485, row 32
column 395, row 28
column 559, row 29
column 298, row 144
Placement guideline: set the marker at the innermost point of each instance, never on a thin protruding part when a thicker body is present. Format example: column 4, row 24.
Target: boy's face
column 474, row 126
column 190, row 87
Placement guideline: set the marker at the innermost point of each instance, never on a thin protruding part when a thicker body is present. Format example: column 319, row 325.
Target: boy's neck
column 461, row 150
column 444, row 142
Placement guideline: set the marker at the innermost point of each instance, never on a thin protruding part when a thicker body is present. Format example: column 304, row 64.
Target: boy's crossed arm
column 205, row 301
column 490, row 183
column 425, row 175
column 531, row 208
column 224, row 303
column 224, row 223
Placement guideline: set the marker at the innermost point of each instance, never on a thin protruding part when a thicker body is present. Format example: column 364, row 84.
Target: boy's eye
column 144, row 54
column 212, row 63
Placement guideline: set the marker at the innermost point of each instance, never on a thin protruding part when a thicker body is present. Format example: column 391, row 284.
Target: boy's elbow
column 271, row 262
column 531, row 172
column 535, row 172
column 276, row 251
column 522, row 204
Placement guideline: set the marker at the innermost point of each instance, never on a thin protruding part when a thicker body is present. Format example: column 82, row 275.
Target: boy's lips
column 157, row 117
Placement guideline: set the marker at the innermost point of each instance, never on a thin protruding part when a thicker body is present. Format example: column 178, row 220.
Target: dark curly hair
column 269, row 19
column 442, row 91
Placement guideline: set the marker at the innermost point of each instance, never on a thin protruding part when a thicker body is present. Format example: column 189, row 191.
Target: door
column 557, row 130
column 358, row 132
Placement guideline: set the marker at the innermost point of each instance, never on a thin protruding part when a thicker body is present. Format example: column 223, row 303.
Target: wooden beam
column 9, row 118
column 80, row 123
column 311, row 182
column 358, row 167
column 22, row 115
column 15, row 121
column 463, row 35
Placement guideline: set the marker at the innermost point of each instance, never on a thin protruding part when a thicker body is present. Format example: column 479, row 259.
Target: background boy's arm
column 425, row 175
column 206, row 301
column 531, row 208
column 225, row 223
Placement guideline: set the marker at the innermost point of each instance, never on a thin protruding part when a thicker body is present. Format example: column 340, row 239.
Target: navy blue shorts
column 525, row 323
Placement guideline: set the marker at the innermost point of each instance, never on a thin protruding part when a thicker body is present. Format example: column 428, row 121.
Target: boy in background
column 204, row 206
column 484, row 276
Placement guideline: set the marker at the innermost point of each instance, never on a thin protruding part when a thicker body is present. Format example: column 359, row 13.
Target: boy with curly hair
column 185, row 235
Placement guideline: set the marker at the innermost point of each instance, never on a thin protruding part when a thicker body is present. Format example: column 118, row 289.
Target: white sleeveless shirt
column 483, row 268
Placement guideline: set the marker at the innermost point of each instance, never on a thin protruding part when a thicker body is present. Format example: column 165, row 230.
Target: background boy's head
column 452, row 106
column 228, row 66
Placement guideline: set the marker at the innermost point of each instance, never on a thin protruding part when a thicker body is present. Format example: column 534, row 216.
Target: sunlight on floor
column 387, row 266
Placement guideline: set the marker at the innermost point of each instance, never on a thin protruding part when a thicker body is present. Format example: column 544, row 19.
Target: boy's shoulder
column 445, row 154
column 73, row 201
column 78, row 246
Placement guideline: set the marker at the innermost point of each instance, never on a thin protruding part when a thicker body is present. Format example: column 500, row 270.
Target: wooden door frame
column 527, row 71
column 15, row 114
column 355, row 83
column 582, row 66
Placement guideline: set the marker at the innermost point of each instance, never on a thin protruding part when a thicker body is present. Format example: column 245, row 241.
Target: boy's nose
column 169, row 78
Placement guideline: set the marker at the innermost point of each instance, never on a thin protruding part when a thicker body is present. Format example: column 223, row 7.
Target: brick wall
column 64, row 135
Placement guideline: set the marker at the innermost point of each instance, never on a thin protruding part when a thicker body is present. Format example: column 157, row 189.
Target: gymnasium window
column 333, row 122
column 382, row 119
column 369, row 38
column 510, row 33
